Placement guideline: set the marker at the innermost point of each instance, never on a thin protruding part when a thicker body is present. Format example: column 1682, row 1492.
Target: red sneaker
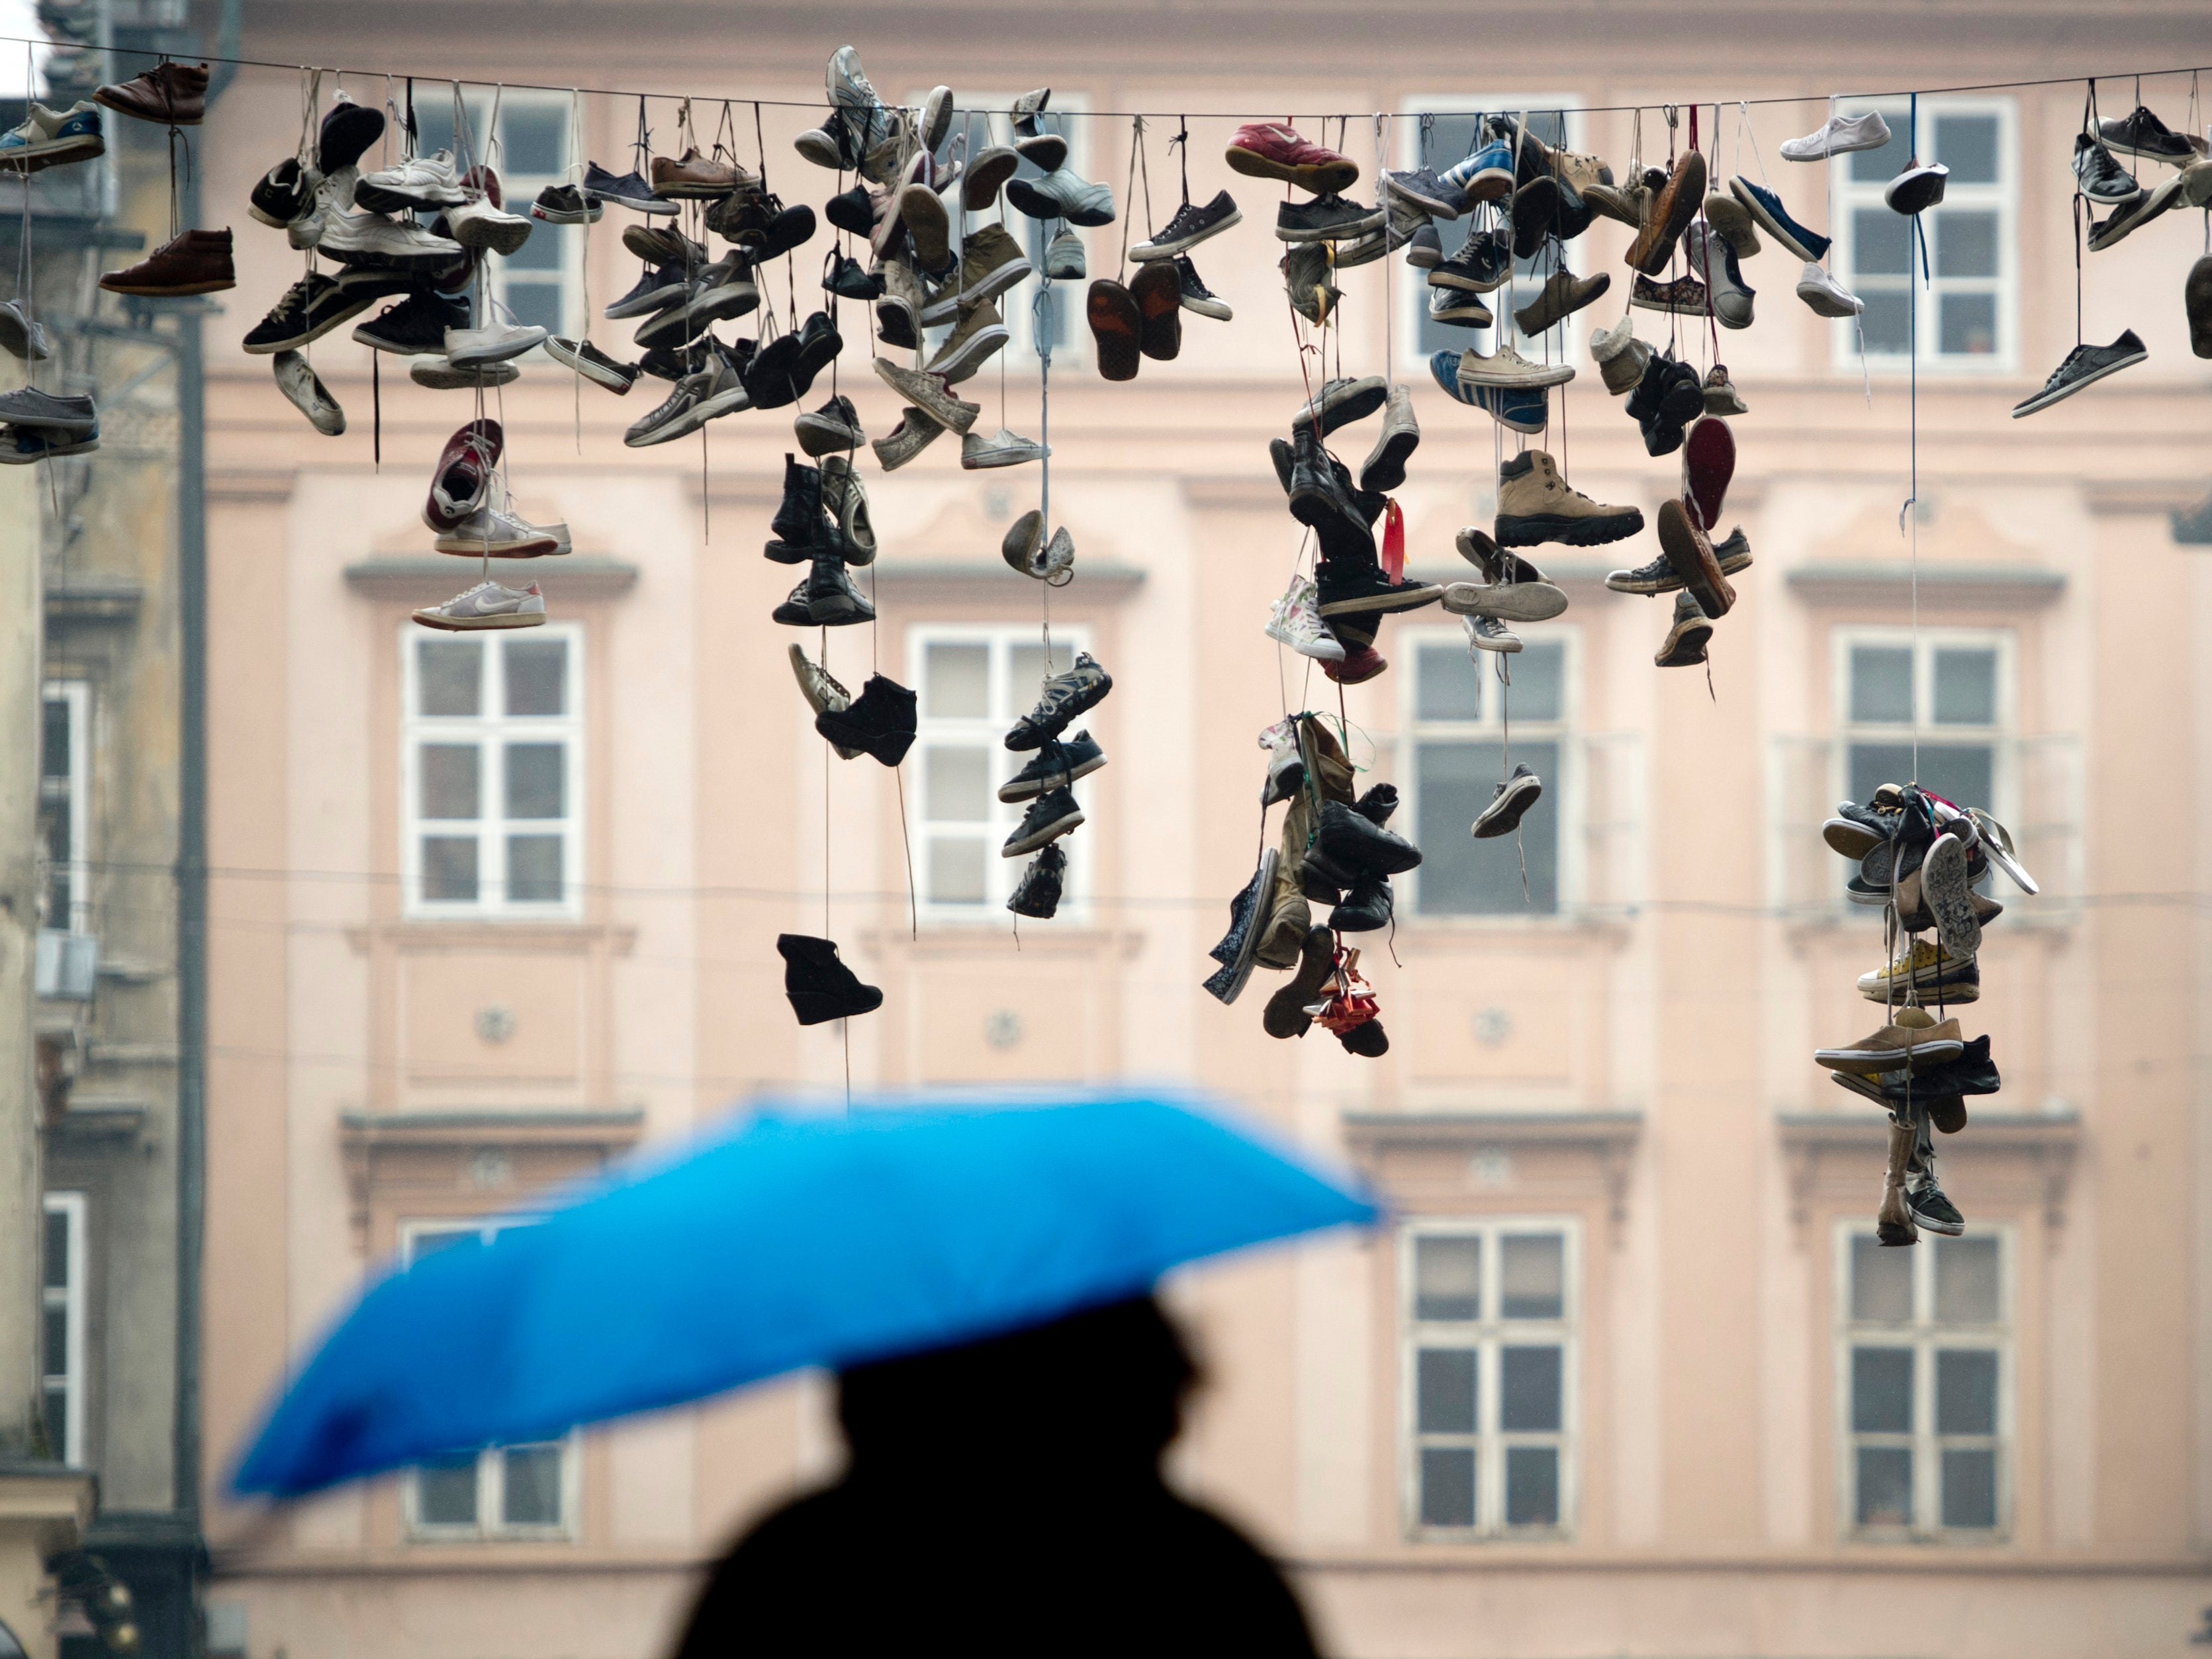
column 1361, row 663
column 1264, row 150
column 463, row 474
column 1708, row 464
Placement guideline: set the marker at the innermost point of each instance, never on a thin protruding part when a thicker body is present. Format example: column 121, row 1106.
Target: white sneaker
column 478, row 224
column 440, row 375
column 1001, row 448
column 1827, row 296
column 332, row 201
column 430, row 180
column 1296, row 622
column 488, row 604
column 1507, row 367
column 1488, row 634
column 372, row 233
column 21, row 335
column 496, row 532
column 297, row 380
column 1839, row 135
column 472, row 348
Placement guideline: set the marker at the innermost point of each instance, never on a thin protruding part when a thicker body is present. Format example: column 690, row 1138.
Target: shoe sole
column 1030, row 790
column 2196, row 299
column 995, row 282
column 1522, row 602
column 1708, row 467
column 479, row 625
column 10, row 457
column 1354, row 404
column 1868, row 1062
column 972, row 352
column 724, row 304
column 1655, row 243
column 167, row 290
column 598, row 376
column 1490, row 184
column 485, row 356
column 1733, row 223
column 818, row 435
column 1037, row 205
column 984, row 461
column 1380, row 603
column 1853, row 841
column 590, row 215
column 1323, row 650
column 1692, row 556
column 314, row 333
column 1218, row 310
column 1321, row 178
column 1047, row 833
column 1527, row 530
column 1943, row 887
column 983, row 182
column 667, row 432
column 1772, row 226
column 1247, row 950
column 1503, row 816
column 1385, row 470
column 1365, row 225
column 1444, row 276
column 535, row 547
column 1285, row 1015
column 658, row 210
column 1948, row 1229
column 36, row 158
column 494, row 236
column 650, row 305
column 2044, row 400
column 373, row 199
column 1147, row 251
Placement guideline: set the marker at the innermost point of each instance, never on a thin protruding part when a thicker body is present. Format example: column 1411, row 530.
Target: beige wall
column 1652, row 1083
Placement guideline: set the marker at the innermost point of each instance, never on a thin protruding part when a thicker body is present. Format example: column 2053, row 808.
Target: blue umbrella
column 789, row 1239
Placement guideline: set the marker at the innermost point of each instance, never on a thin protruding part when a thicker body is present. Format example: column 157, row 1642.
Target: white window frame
column 1001, row 873
column 985, row 128
column 76, row 870
column 493, row 732
column 1923, row 1337
column 1488, row 1335
column 1563, row 795
column 69, row 1298
column 1847, row 194
column 518, row 191
column 1412, row 298
column 2001, row 738
column 491, row 1466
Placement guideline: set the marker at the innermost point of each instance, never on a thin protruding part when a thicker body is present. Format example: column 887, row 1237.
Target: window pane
column 1966, row 325
column 532, row 1497
column 1966, row 1281
column 1881, row 243
column 445, row 1493
column 1873, row 764
column 1885, row 1487
column 1532, row 1486
column 956, row 682
column 1965, row 243
column 957, row 784
column 1881, row 1390
column 533, row 139
column 1965, row 773
column 56, row 1359
column 534, row 874
column 1461, row 876
column 1965, row 686
column 1446, row 686
column 451, row 784
column 57, row 1238
column 1887, row 322
column 537, row 677
column 1447, row 1279
column 1538, row 690
column 54, row 744
column 1028, row 667
column 449, row 677
column 542, row 252
column 956, row 866
column 1965, row 1391
column 1445, row 1390
column 1881, row 1283
column 536, row 776
column 1532, row 1271
column 1448, row 1486
column 1970, row 1487
column 1528, row 1389
column 449, row 869
column 57, row 1420
column 1968, row 144
column 1881, row 683
column 536, row 305
column 1876, row 165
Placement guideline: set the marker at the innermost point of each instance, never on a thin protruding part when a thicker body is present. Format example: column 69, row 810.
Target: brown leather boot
column 1326, row 762
column 173, row 94
column 1893, row 1222
column 1287, row 918
column 197, row 262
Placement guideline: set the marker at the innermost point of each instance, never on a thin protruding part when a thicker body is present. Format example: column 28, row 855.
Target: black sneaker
column 1194, row 296
column 1051, row 815
column 852, row 212
column 372, row 281
column 819, row 343
column 625, row 189
column 1079, row 690
column 1482, row 263
column 1191, row 225
column 832, row 429
column 832, row 600
column 1659, row 576
column 670, row 366
column 2101, row 178
column 1515, row 797
column 1350, row 838
column 593, row 364
column 819, row 984
column 772, row 377
column 281, row 193
column 348, row 128
column 1365, row 909
column 1057, row 765
column 880, row 721
column 1350, row 588
column 656, row 290
column 673, row 325
column 567, row 204
column 415, row 327
column 2084, row 365
column 311, row 308
column 1037, row 893
column 1325, row 218
column 849, row 279
column 1930, row 1208
column 1973, row 1074
column 2141, row 133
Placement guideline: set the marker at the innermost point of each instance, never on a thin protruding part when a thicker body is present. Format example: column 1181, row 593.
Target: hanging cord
column 1383, row 201
column 1912, row 499
column 1137, row 162
column 1181, row 145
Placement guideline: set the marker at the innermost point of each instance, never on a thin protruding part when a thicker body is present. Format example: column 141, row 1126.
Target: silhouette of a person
column 1004, row 1497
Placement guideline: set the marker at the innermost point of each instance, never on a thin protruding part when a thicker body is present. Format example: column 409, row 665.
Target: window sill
column 410, row 578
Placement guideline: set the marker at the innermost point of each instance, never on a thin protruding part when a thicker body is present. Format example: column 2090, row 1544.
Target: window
column 64, row 787
column 975, row 683
column 491, row 761
column 1443, row 131
column 539, row 282
column 1059, row 323
column 502, row 1492
column 1457, row 725
column 1966, row 295
column 1926, row 1378
column 1489, row 1362
column 63, row 1301
column 1952, row 688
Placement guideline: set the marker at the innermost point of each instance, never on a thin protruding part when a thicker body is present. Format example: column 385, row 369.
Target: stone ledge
column 1942, row 584
column 424, row 579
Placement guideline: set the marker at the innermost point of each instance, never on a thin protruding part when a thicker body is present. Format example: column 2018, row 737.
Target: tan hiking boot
column 1562, row 296
column 1535, row 504
column 1893, row 1222
column 1628, row 204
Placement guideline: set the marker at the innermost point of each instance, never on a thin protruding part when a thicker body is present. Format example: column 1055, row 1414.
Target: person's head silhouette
column 1005, row 1495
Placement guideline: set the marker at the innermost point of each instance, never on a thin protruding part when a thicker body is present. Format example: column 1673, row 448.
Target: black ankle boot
column 1038, row 892
column 881, row 720
column 1312, row 496
column 822, row 987
column 1378, row 803
column 1349, row 838
column 1366, row 907
column 800, row 523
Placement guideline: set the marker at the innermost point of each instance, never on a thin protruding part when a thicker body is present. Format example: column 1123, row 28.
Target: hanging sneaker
column 880, row 722
column 1685, row 644
column 626, row 190
column 845, row 504
column 1488, row 634
column 1928, row 967
column 2139, row 132
column 25, row 337
column 440, row 375
column 2084, row 366
column 311, row 308
column 1730, row 221
column 1385, row 469
column 1915, row 1041
column 929, row 393
column 1931, row 1210
column 1720, row 393
column 1295, row 621
column 655, row 290
column 1349, row 588
column 1237, row 950
column 1422, row 188
column 1037, row 894
column 462, row 479
column 568, row 204
column 298, row 382
column 1063, row 257
column 2131, row 215
column 1562, row 295
column 1765, row 206
column 1826, row 295
column 1194, row 296
column 968, row 347
column 1064, row 697
column 831, row 429
column 50, row 138
column 44, row 411
column 1917, row 189
column 1514, row 798
column 344, row 234
column 1619, row 356
column 1361, row 663
column 1507, row 367
column 1659, row 576
column 1051, row 815
column 1062, row 194
column 1487, row 174
column 1002, row 448
column 1685, row 296
column 1457, row 307
column 1708, row 467
column 1673, row 206
column 1424, row 249
column 1057, row 764
column 415, row 327
column 1711, row 258
column 2101, row 178
column 488, row 604
column 1191, row 225
column 1839, row 135
column 1268, row 149
column 496, row 532
column 820, row 986
column 1483, row 264
column 991, row 262
column 593, row 364
column 822, row 693
column 1691, row 552
column 473, row 348
column 832, row 600
column 915, row 433
column 1537, row 504
column 1326, row 218
column 1341, row 402
column 20, row 446
column 418, row 181
column 1517, row 601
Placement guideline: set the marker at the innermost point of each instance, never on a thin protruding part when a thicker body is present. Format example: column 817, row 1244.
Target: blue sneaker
column 48, row 137
column 1518, row 408
column 1484, row 176
column 20, row 446
column 1763, row 205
